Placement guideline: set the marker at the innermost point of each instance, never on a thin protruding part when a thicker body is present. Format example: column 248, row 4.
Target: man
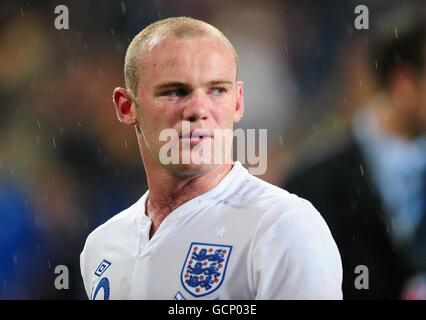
column 203, row 230
column 372, row 191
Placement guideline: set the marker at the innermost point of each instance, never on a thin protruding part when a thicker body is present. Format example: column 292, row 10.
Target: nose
column 196, row 107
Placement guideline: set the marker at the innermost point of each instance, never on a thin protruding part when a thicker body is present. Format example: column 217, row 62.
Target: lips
column 196, row 135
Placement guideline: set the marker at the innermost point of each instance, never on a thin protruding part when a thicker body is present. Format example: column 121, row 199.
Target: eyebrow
column 171, row 84
column 216, row 82
column 178, row 84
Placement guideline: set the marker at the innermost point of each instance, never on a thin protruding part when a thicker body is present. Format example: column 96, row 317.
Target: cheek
column 223, row 115
column 158, row 115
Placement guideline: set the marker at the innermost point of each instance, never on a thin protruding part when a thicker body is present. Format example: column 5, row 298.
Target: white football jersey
column 244, row 239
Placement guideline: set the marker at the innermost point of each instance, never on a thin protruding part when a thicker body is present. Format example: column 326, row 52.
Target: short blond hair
column 180, row 27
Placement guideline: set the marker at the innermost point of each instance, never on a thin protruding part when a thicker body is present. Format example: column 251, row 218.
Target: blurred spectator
column 21, row 243
column 372, row 190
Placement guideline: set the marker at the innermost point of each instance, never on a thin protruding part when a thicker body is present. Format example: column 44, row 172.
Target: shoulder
column 294, row 253
column 272, row 201
column 289, row 214
column 108, row 237
column 277, row 210
column 115, row 225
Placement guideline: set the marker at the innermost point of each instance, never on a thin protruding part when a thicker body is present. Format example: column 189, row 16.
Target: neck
column 168, row 191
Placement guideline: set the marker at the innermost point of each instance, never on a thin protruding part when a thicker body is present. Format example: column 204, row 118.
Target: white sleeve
column 296, row 257
column 83, row 270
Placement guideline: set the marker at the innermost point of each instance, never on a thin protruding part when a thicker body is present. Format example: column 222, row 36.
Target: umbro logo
column 102, row 267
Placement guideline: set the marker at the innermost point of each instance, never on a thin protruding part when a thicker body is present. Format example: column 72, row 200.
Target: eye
column 178, row 92
column 218, row 91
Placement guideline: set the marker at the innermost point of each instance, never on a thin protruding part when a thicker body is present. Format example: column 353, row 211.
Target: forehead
column 201, row 58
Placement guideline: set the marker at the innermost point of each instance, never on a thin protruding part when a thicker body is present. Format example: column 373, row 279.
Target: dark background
column 67, row 165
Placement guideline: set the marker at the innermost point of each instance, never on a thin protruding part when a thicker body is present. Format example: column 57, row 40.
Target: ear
column 239, row 106
column 124, row 106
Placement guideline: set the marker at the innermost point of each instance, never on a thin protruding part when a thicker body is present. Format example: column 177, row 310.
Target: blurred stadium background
column 67, row 165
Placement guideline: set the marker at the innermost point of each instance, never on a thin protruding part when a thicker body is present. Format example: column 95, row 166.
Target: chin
column 191, row 170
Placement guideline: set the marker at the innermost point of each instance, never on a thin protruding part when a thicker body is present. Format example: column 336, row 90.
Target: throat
column 156, row 216
column 162, row 201
column 152, row 231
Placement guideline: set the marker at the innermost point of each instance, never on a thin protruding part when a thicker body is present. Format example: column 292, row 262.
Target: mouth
column 196, row 136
